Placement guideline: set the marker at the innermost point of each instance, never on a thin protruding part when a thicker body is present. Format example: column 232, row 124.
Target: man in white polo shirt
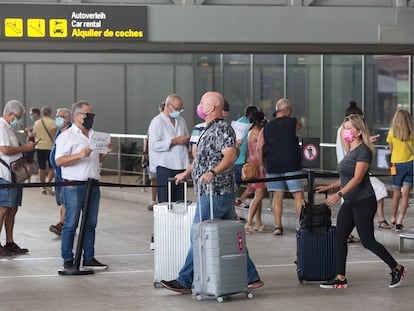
column 79, row 163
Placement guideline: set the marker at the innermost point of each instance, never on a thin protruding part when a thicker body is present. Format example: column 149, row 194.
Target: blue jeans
column 74, row 198
column 404, row 175
column 223, row 209
column 58, row 189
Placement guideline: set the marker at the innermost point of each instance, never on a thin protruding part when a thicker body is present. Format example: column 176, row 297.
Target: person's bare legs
column 396, row 195
column 382, row 223
column 405, row 193
column 9, row 223
column 299, row 197
column 29, row 167
column 3, row 212
column 50, row 175
column 42, row 179
column 255, row 204
column 277, row 207
column 154, row 189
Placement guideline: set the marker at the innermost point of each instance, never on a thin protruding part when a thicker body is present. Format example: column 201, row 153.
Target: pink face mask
column 349, row 136
column 200, row 112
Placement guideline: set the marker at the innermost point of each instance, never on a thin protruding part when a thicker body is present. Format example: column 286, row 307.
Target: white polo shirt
column 70, row 142
column 7, row 138
column 161, row 153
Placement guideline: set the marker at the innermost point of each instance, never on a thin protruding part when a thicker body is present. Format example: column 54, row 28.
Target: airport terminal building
column 125, row 58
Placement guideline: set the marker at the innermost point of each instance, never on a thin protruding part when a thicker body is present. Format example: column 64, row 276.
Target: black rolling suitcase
column 315, row 243
column 315, row 255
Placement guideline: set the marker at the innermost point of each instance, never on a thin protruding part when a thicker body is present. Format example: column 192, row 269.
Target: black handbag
column 317, row 218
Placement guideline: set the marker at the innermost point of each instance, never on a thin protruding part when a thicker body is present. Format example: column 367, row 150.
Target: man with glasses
column 168, row 139
column 79, row 163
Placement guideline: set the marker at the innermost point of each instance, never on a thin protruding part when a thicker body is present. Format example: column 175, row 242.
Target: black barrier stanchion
column 77, row 270
column 311, row 180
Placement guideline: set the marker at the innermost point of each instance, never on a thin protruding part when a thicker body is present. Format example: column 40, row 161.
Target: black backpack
column 317, row 218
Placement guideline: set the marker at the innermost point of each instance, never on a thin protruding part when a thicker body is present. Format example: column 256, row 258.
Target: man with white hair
column 10, row 150
column 168, row 139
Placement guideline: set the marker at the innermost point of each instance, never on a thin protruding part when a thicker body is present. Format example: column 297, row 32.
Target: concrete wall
column 262, row 28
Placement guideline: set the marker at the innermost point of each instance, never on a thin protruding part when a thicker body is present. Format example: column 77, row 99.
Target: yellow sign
column 58, row 28
column 36, row 28
column 13, row 27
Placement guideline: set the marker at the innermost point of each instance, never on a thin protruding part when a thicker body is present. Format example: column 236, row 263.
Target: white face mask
column 175, row 114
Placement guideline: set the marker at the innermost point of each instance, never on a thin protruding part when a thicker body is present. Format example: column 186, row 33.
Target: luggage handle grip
column 211, row 200
column 170, row 181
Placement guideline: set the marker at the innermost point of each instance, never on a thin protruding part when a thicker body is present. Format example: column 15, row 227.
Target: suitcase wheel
column 198, row 297
column 220, row 299
column 249, row 295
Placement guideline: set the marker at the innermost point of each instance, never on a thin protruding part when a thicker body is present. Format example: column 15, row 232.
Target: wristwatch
column 212, row 171
column 340, row 194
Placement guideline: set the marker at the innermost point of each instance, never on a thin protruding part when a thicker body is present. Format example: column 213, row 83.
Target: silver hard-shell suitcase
column 172, row 226
column 220, row 258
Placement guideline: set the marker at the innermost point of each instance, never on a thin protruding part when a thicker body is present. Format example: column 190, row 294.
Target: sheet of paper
column 99, row 142
column 240, row 128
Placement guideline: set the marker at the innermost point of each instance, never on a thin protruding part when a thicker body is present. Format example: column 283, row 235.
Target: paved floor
column 31, row 282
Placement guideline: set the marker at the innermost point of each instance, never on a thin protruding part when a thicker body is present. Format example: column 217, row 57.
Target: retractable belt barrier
column 311, row 174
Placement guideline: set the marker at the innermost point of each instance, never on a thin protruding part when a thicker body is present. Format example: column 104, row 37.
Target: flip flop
column 263, row 229
column 278, row 231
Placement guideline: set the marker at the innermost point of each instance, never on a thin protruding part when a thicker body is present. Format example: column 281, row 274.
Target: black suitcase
column 315, row 255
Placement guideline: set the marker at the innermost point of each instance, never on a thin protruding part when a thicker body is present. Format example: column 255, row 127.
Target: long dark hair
column 257, row 118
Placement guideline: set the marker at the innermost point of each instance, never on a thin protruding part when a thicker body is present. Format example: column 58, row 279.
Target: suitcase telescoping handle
column 170, row 181
column 211, row 200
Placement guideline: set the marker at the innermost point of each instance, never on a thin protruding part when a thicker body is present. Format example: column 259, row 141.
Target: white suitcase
column 172, row 226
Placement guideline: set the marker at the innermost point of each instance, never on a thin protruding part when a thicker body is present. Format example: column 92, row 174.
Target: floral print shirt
column 217, row 136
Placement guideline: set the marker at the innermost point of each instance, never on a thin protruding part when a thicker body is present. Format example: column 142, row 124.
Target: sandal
column 278, row 231
column 263, row 229
column 383, row 224
column 352, row 239
column 248, row 229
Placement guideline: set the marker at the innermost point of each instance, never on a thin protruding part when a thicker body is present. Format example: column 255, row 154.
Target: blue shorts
column 10, row 197
column 293, row 185
column 404, row 175
column 238, row 173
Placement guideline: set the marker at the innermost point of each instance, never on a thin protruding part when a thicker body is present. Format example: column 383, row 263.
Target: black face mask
column 88, row 121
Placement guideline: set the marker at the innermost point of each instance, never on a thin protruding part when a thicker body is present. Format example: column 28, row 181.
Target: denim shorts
column 404, row 175
column 10, row 197
column 293, row 185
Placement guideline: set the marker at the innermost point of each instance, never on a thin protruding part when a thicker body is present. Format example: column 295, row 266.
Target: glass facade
column 320, row 87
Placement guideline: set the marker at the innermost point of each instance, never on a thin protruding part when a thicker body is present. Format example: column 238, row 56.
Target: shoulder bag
column 18, row 170
column 250, row 171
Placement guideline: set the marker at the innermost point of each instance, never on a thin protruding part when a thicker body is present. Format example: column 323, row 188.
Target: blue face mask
column 175, row 114
column 16, row 122
column 31, row 118
column 59, row 121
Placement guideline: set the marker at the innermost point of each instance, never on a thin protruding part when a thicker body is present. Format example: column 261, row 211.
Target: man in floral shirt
column 213, row 164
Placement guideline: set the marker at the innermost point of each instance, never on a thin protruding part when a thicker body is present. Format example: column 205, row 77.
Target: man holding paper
column 79, row 161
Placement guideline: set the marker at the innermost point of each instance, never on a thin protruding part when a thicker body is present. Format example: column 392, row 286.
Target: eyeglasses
column 176, row 109
column 17, row 117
